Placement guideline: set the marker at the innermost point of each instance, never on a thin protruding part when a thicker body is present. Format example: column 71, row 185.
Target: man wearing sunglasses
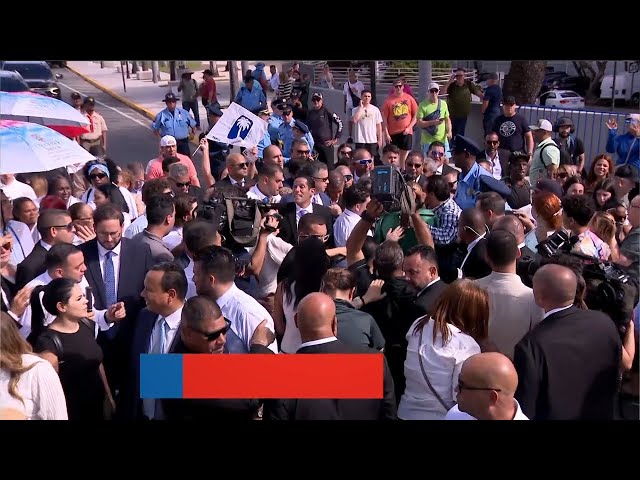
column 54, row 226
column 205, row 331
column 181, row 183
column 238, row 170
column 399, row 116
column 433, row 118
column 362, row 164
column 491, row 153
column 321, row 121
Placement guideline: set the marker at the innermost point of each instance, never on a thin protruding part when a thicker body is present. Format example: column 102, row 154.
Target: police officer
column 175, row 121
column 465, row 152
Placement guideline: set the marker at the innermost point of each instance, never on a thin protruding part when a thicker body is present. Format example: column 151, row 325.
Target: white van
column 627, row 87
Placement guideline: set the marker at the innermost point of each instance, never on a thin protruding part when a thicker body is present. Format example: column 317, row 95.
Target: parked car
column 59, row 63
column 38, row 76
column 564, row 81
column 561, row 99
column 12, row 82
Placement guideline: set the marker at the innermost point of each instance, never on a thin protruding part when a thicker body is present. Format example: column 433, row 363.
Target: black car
column 12, row 82
column 38, row 76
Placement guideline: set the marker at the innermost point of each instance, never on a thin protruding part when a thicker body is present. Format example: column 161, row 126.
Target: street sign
column 634, row 67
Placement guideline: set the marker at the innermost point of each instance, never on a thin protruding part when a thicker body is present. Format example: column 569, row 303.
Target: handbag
column 424, row 374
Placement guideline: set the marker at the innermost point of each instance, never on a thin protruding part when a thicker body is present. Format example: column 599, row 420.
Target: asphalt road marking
column 109, row 107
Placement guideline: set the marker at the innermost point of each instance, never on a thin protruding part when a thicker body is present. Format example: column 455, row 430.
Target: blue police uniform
column 176, row 123
column 469, row 185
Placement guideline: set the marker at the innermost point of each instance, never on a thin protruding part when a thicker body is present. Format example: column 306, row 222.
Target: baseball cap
column 75, row 95
column 510, row 100
column 89, row 101
column 542, row 125
column 170, row 97
column 316, row 96
column 168, row 141
column 433, row 85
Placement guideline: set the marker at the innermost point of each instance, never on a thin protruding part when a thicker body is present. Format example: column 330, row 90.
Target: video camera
column 388, row 187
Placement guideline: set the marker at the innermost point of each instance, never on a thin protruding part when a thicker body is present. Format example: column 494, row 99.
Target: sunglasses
column 322, row 238
column 303, row 152
column 240, row 165
column 433, row 90
column 212, row 336
column 563, row 175
column 414, row 165
column 397, row 86
column 365, row 162
column 453, row 184
column 325, row 179
column 68, row 227
column 184, row 184
column 348, row 178
column 436, row 154
column 462, row 386
column 492, row 142
column 99, row 176
column 6, row 245
column 347, row 153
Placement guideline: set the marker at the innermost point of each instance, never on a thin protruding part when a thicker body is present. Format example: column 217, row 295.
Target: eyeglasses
column 240, row 165
column 492, row 142
column 397, row 86
column 325, row 179
column 346, row 153
column 184, row 184
column 365, row 161
column 322, row 238
column 436, row 154
column 462, row 386
column 303, row 152
column 99, row 176
column 348, row 178
column 67, row 227
column 433, row 90
column 414, row 165
column 212, row 336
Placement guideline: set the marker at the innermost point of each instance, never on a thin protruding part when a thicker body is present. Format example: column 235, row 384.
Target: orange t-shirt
column 398, row 112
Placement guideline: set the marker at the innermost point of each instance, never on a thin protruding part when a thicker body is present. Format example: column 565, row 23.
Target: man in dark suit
column 320, row 174
column 569, row 365
column 303, row 192
column 420, row 268
column 316, row 320
column 55, row 227
column 203, row 330
column 116, row 268
column 237, row 171
column 471, row 232
column 155, row 331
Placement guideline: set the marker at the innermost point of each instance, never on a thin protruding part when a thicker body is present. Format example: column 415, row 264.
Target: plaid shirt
column 447, row 215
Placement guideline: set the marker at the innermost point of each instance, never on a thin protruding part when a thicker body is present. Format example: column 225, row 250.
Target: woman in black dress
column 69, row 344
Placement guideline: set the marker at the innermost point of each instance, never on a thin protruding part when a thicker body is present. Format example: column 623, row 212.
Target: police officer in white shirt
column 486, row 385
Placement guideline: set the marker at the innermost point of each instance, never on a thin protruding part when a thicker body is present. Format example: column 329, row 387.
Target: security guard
column 465, row 152
column 97, row 135
column 175, row 121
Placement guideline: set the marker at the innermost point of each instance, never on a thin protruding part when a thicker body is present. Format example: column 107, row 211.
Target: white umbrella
column 29, row 147
column 48, row 111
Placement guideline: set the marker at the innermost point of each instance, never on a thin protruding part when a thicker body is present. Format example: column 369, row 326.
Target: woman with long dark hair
column 311, row 264
column 69, row 344
column 437, row 348
column 28, row 383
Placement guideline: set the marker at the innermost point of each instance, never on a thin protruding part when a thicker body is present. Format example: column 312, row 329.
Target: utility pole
column 126, row 63
column 134, row 67
column 613, row 87
column 233, row 79
column 213, row 66
column 155, row 71
column 373, row 74
column 424, row 78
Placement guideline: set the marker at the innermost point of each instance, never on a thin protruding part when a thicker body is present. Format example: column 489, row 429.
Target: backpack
column 542, row 150
column 433, row 129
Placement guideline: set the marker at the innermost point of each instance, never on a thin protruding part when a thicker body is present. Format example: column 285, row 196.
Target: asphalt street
column 129, row 136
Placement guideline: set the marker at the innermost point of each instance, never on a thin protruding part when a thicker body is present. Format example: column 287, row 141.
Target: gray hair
column 178, row 170
column 430, row 166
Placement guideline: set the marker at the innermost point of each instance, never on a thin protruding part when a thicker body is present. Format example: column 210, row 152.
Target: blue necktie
column 110, row 288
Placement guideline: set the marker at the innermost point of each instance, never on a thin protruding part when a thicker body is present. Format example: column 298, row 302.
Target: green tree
column 524, row 80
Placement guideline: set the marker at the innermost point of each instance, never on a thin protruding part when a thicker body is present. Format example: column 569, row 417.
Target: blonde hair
column 39, row 184
column 603, row 225
column 12, row 347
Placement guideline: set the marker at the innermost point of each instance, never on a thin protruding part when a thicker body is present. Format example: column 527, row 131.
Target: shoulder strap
column 542, row 150
column 57, row 343
column 424, row 374
column 630, row 148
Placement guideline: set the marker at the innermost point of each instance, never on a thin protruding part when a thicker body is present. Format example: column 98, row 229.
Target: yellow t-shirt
column 425, row 109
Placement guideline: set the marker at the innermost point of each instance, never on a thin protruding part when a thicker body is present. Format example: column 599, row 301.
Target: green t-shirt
column 392, row 220
column 459, row 98
column 425, row 109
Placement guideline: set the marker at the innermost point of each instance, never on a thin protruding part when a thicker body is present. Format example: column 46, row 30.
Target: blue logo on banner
column 241, row 128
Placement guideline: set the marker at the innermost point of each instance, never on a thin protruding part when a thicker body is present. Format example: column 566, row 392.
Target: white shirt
column 308, row 209
column 39, row 387
column 274, row 81
column 173, row 238
column 321, row 341
column 255, row 193
column 442, row 364
column 277, row 249
column 191, row 287
column 137, row 226
column 23, row 242
column 245, row 314
column 18, row 189
column 456, row 414
column 495, row 165
column 102, row 254
column 344, row 225
column 365, row 130
column 555, row 310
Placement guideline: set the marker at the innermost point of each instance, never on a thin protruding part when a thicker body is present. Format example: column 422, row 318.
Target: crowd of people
column 478, row 311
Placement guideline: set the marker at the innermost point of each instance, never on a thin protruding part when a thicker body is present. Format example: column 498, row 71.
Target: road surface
column 129, row 137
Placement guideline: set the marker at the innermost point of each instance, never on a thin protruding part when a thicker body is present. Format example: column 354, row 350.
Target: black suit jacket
column 568, row 367
column 31, row 266
column 336, row 409
column 213, row 408
column 289, row 227
column 428, row 297
column 476, row 265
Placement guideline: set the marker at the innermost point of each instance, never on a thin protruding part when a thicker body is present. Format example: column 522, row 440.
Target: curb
column 134, row 106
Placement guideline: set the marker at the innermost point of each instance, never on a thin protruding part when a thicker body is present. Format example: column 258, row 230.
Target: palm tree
column 524, row 80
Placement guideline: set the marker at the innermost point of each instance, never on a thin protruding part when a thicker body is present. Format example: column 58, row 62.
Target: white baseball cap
column 542, row 125
column 433, row 85
column 168, row 141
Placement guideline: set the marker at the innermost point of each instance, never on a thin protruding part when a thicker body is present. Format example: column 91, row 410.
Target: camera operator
column 576, row 214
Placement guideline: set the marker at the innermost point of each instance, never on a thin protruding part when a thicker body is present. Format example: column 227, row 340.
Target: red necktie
column 90, row 122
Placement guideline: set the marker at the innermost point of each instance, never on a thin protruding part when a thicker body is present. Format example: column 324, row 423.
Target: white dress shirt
column 277, row 249
column 137, row 226
column 495, row 165
column 255, row 193
column 344, row 225
column 456, row 414
column 245, row 314
column 191, row 287
column 23, row 241
column 317, row 342
column 442, row 364
column 102, row 254
column 308, row 209
column 173, row 238
column 555, row 310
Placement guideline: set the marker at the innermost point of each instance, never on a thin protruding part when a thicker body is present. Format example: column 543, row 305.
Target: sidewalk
column 144, row 96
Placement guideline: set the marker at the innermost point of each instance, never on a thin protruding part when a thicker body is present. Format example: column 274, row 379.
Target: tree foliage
column 524, row 80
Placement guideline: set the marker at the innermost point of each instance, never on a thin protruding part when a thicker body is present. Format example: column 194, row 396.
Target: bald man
column 237, row 168
column 471, row 232
column 316, row 320
column 486, row 385
column 568, row 365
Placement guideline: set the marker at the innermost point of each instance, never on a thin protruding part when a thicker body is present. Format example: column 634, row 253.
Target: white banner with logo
column 238, row 127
